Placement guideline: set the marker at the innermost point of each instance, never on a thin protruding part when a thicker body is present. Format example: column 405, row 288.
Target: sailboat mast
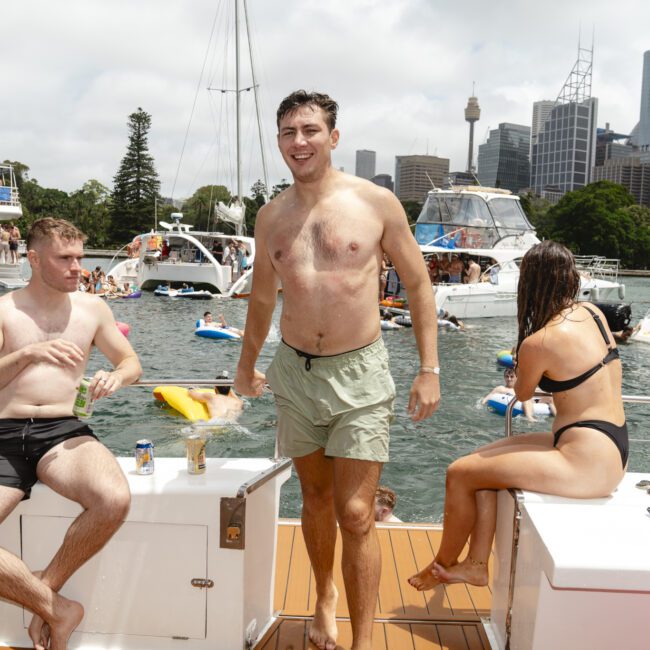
column 257, row 104
column 237, row 103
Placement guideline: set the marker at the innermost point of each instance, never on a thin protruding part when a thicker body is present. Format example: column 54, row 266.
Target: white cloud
column 74, row 70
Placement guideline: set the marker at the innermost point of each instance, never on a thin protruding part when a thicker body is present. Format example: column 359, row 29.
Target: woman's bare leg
column 474, row 568
column 529, row 462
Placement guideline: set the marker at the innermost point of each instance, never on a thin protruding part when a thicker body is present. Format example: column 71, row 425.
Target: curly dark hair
column 300, row 98
column 548, row 283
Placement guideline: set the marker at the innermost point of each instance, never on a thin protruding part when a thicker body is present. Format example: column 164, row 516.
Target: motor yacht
column 490, row 225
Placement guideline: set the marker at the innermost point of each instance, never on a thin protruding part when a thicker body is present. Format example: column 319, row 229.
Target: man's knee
column 355, row 517
column 317, row 496
column 113, row 504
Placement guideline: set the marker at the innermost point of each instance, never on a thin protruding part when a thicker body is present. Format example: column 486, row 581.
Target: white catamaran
column 174, row 253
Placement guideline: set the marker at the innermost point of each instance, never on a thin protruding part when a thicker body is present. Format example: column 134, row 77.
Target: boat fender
column 594, row 294
column 621, row 292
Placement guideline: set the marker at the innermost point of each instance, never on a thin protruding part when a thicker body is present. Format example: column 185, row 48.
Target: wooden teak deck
column 446, row 618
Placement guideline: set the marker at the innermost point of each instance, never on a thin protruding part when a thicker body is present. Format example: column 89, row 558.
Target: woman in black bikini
column 566, row 348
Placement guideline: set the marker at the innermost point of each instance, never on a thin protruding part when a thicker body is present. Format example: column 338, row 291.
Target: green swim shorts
column 341, row 403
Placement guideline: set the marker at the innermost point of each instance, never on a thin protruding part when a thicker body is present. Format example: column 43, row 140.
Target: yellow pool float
column 178, row 398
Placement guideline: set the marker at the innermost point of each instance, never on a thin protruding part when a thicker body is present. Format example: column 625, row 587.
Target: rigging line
column 257, row 107
column 196, row 95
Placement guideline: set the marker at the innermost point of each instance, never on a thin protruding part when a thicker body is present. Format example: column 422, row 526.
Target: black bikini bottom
column 618, row 435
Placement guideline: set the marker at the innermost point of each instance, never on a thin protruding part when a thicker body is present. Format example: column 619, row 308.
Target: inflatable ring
column 498, row 402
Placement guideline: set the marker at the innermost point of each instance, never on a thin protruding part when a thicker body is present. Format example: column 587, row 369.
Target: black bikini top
column 555, row 386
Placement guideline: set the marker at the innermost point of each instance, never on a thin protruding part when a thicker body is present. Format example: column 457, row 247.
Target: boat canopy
column 464, row 219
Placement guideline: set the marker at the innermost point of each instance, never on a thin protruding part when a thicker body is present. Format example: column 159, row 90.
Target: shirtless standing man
column 46, row 333
column 323, row 238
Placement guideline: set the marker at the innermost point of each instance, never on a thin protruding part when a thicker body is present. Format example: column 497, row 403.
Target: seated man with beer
column 47, row 331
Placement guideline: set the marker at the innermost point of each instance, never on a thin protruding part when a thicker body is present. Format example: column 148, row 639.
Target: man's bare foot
column 322, row 631
column 425, row 579
column 67, row 615
column 39, row 630
column 468, row 571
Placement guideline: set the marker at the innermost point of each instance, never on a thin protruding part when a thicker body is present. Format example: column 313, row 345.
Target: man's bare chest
column 21, row 329
column 322, row 243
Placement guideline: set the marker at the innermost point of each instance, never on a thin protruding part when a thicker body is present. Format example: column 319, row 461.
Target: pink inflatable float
column 123, row 327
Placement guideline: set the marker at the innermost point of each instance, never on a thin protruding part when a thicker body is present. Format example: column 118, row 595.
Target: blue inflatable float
column 215, row 332
column 498, row 402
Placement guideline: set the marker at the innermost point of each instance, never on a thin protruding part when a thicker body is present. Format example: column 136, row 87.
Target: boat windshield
column 467, row 221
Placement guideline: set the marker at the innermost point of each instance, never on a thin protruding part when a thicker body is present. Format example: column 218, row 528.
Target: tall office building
column 640, row 135
column 365, row 164
column 630, row 172
column 503, row 161
column 564, row 153
column 416, row 175
column 383, row 180
column 541, row 111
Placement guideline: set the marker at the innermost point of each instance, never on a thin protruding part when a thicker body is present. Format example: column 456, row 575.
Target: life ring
column 504, row 358
column 498, row 402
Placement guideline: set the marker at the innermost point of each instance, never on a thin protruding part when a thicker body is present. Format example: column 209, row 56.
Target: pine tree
column 136, row 184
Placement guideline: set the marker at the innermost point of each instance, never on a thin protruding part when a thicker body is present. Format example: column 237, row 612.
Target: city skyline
column 401, row 86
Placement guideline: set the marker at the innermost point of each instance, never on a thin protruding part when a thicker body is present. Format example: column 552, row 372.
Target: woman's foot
column 469, row 571
column 425, row 579
column 322, row 631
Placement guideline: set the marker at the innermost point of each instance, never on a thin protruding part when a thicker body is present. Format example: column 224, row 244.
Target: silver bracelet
column 433, row 370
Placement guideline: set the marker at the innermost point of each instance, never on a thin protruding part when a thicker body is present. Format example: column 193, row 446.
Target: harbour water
column 162, row 332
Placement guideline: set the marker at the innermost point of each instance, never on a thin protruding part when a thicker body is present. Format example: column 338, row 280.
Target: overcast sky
column 73, row 70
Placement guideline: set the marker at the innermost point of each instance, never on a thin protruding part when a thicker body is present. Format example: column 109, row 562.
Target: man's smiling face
column 306, row 142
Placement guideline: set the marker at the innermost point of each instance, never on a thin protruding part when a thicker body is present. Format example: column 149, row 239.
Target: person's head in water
column 509, row 377
column 385, row 500
column 300, row 98
column 548, row 283
column 207, row 317
column 222, row 390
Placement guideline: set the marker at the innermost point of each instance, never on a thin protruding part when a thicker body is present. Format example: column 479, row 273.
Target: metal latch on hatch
column 233, row 523
column 202, row 583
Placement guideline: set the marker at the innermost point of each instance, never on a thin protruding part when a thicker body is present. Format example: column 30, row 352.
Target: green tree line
column 598, row 219
column 111, row 218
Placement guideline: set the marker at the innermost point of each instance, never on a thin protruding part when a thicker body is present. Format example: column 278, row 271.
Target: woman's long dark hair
column 548, row 283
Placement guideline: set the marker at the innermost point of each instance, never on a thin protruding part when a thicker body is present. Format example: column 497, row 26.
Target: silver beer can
column 144, row 456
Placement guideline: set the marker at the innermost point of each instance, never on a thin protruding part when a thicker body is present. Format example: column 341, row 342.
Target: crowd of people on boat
column 330, row 377
column 98, row 283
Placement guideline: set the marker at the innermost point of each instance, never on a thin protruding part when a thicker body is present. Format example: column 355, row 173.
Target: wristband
column 433, row 370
